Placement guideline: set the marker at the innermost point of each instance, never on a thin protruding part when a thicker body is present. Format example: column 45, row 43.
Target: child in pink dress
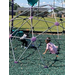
column 50, row 46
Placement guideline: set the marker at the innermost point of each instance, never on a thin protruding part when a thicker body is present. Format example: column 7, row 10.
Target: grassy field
column 30, row 63
column 38, row 25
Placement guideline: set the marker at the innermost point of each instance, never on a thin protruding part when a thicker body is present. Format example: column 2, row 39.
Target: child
column 50, row 46
column 23, row 40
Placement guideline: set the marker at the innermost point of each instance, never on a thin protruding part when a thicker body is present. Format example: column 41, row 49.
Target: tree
column 10, row 3
column 15, row 5
column 59, row 9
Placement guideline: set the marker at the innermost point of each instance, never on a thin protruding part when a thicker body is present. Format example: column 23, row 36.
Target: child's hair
column 48, row 39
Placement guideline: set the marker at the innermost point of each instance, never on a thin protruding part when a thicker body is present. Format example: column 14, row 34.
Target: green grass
column 40, row 26
column 30, row 63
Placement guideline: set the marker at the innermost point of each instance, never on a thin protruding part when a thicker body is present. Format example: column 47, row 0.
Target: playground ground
column 31, row 64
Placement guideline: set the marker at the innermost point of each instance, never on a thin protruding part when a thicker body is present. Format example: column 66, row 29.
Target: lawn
column 31, row 64
column 39, row 24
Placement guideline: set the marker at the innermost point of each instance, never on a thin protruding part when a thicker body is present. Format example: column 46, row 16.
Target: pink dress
column 52, row 48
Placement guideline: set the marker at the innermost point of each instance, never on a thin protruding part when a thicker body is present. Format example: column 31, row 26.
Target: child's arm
column 45, row 51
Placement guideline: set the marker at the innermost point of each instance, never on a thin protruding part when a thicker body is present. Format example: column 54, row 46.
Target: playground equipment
column 32, row 26
column 32, row 2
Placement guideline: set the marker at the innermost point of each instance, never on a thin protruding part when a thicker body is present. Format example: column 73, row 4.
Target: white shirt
column 52, row 48
column 24, row 36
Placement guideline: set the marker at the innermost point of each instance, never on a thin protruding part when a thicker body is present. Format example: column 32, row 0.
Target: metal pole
column 12, row 15
column 54, row 3
column 38, row 3
column 38, row 7
column 31, row 19
column 61, row 3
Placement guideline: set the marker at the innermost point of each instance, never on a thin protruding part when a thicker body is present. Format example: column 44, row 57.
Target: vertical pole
column 54, row 3
column 38, row 3
column 62, row 3
column 31, row 19
column 12, row 15
column 38, row 6
column 53, row 6
column 57, row 32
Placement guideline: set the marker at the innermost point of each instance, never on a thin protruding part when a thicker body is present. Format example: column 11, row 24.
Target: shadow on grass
column 52, row 65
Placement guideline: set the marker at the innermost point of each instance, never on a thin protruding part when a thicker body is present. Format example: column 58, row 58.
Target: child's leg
column 23, row 43
column 26, row 43
column 22, row 40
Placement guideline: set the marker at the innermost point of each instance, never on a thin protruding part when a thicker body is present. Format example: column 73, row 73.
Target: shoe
column 21, row 46
column 49, row 52
column 25, row 47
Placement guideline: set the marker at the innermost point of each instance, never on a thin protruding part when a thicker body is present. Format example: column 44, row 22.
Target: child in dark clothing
column 24, row 41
